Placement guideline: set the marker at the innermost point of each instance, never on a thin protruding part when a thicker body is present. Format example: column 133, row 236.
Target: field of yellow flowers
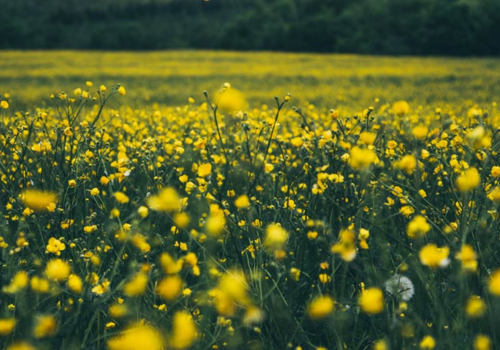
column 359, row 212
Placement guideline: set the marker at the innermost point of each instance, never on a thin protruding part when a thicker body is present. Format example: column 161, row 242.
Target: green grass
column 329, row 81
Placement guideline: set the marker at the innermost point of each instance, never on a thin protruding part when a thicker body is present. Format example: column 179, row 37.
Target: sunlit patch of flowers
column 218, row 225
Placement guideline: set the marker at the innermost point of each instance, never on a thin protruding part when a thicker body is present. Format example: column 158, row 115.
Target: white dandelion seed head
column 400, row 286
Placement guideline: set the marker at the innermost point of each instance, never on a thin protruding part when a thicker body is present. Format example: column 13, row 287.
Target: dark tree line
column 415, row 27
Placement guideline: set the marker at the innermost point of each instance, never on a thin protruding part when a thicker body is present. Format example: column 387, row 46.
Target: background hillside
column 401, row 27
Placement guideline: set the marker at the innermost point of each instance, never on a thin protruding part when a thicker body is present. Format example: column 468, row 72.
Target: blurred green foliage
column 401, row 27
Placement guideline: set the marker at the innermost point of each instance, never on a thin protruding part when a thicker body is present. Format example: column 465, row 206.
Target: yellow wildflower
column 321, row 307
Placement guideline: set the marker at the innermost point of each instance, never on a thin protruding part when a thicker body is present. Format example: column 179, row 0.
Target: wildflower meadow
column 252, row 201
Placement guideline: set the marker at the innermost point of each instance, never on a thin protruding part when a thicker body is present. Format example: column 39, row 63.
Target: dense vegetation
column 423, row 27
column 222, row 223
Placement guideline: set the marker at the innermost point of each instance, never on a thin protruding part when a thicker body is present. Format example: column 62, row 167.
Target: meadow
column 219, row 200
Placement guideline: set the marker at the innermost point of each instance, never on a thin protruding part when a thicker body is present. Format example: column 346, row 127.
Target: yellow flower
column 46, row 326
column 418, row 227
column 380, row 345
column 75, row 283
column 231, row 291
column 321, row 307
column 169, row 265
column 122, row 91
column 117, row 310
column 216, row 222
column 297, row 142
column 7, row 325
column 408, row 164
column 427, row 343
column 139, row 241
column 39, row 285
column 432, row 256
column 137, row 336
column 182, row 219
column 494, row 283
column 183, row 331
column 169, row 288
column 468, row 257
column 475, row 307
column 38, row 200
column 121, row 197
column 345, row 246
column 55, row 246
column 420, row 132
column 136, row 286
column 57, row 270
column 468, row 180
column 482, row 342
column 363, row 235
column 143, row 211
column 104, row 180
column 21, row 346
column 4, row 104
column 400, row 108
column 276, row 237
column 167, row 200
column 18, row 283
column 371, row 301
column 406, row 210
column 101, row 288
column 232, row 100
column 367, row 138
column 295, row 274
column 94, row 192
column 495, row 171
column 242, row 202
column 494, row 195
column 362, row 158
column 204, row 170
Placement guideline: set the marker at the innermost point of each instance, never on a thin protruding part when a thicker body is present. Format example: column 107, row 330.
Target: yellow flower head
column 18, row 283
column 432, row 256
column 468, row 180
column 204, row 170
column 494, row 283
column 242, row 202
column 38, row 200
column 400, row 108
column 418, row 227
column 468, row 257
column 7, row 325
column 231, row 100
column 482, row 342
column 137, row 336
column 57, row 270
column 183, row 331
column 420, row 132
column 167, row 200
column 121, row 197
column 75, row 283
column 427, row 343
column 408, row 164
column 46, row 326
column 169, row 288
column 362, row 158
column 475, row 307
column 372, row 301
column 321, row 307
column 346, row 245
column 276, row 237
column 136, row 286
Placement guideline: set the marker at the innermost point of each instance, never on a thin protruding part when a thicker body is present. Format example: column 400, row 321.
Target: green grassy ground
column 329, row 81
